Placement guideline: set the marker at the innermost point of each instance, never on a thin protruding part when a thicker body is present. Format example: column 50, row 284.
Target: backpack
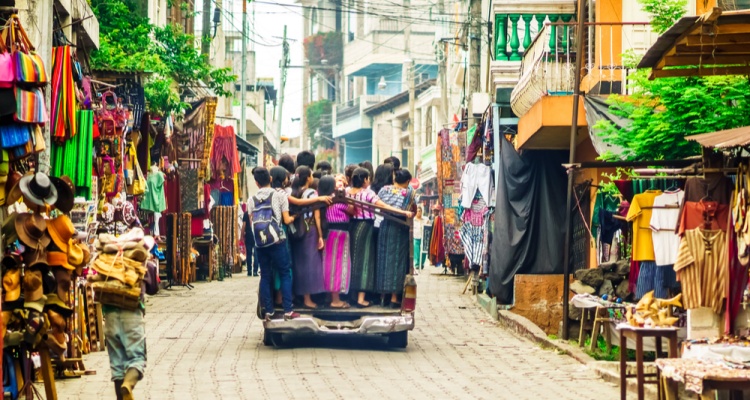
column 302, row 224
column 266, row 230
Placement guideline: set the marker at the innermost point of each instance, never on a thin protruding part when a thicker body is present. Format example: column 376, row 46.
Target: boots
column 118, row 388
column 128, row 384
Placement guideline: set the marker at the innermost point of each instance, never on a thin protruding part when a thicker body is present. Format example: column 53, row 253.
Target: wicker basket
column 115, row 293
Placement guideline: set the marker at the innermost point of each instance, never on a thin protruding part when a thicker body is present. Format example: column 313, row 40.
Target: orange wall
column 548, row 112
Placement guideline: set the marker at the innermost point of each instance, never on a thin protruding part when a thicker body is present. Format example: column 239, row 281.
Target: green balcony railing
column 514, row 33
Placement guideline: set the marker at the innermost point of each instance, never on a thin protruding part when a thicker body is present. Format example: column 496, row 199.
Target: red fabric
column 224, row 147
column 437, row 248
column 635, row 268
column 196, row 226
column 692, row 216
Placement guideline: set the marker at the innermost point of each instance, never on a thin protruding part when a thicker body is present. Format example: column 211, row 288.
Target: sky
column 268, row 29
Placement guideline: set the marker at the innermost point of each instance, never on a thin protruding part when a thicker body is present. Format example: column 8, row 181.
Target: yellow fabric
column 236, row 190
column 640, row 214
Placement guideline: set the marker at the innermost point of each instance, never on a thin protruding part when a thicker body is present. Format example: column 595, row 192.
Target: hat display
column 65, row 193
column 54, row 302
column 59, row 259
column 12, row 190
column 35, row 258
column 61, row 230
column 11, row 285
column 75, row 254
column 38, row 189
column 32, row 286
column 32, row 230
column 11, row 261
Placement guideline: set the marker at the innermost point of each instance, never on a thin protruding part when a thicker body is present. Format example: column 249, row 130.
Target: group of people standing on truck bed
column 305, row 244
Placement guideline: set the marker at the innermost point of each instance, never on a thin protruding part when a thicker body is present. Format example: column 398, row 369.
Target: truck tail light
column 409, row 301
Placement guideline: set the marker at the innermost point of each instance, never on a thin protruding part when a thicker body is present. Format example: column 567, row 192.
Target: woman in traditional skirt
column 361, row 238
column 336, row 255
column 393, row 243
column 306, row 250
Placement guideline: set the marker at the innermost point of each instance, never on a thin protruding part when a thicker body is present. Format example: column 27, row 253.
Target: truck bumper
column 368, row 325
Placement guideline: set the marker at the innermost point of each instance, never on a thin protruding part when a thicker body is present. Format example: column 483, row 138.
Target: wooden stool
column 637, row 334
column 602, row 320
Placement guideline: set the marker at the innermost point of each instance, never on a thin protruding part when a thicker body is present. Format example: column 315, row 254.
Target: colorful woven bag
column 29, row 66
column 7, row 68
column 14, row 135
column 30, row 106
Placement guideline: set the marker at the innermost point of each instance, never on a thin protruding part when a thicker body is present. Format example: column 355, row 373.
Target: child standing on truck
column 307, row 242
column 268, row 210
column 363, row 252
column 336, row 256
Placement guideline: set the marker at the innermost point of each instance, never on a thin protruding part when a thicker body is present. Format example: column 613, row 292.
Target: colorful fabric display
column 74, row 157
column 64, row 104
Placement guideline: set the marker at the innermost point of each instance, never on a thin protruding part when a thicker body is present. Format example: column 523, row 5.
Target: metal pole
column 243, row 75
column 475, row 57
column 283, row 64
column 572, row 158
column 412, row 114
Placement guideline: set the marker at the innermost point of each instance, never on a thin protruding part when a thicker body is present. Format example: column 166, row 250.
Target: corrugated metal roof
column 723, row 139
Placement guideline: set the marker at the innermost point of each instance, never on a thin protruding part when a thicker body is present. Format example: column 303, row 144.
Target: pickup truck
column 395, row 324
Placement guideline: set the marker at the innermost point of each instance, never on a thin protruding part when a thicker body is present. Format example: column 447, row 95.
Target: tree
column 128, row 42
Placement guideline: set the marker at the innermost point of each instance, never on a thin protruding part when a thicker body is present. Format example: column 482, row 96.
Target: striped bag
column 30, row 106
column 29, row 66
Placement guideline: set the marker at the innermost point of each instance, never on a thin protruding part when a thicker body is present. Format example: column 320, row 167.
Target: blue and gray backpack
column 266, row 230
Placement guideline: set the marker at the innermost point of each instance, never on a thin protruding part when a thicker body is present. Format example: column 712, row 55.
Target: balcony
column 542, row 94
column 350, row 117
column 383, row 47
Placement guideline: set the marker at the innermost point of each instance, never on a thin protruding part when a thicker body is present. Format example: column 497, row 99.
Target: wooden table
column 637, row 334
column 707, row 374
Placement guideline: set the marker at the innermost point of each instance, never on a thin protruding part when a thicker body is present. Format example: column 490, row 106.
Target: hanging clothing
column 603, row 221
column 473, row 231
column 640, row 214
column 190, row 189
column 154, row 199
column 664, row 217
column 437, row 249
column 715, row 188
column 695, row 213
column 476, row 177
column 654, row 278
column 702, row 268
column 393, row 242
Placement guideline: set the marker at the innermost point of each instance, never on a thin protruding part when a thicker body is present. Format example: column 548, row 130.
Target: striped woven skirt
column 363, row 256
column 393, row 257
column 337, row 267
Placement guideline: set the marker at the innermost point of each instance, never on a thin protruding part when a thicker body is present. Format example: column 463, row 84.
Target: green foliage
column 663, row 111
column 664, row 13
column 128, row 42
column 314, row 119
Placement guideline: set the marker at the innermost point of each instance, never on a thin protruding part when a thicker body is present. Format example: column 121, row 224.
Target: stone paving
column 205, row 343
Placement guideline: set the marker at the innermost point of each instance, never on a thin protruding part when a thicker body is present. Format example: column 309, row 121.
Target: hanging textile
column 529, row 227
column 452, row 145
column 224, row 220
column 74, row 157
column 63, row 108
column 224, row 148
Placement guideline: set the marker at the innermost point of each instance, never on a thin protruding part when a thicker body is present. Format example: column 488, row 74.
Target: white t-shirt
column 663, row 222
column 419, row 224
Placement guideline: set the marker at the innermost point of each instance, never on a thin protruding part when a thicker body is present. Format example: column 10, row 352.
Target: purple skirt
column 308, row 265
column 337, row 266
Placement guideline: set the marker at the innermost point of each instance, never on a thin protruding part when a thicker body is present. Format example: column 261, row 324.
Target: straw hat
column 38, row 189
column 65, row 193
column 32, row 230
column 61, row 230
column 59, row 306
column 76, row 256
column 59, row 259
column 11, row 285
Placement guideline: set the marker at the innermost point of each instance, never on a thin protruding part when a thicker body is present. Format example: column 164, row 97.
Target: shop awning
column 243, row 146
column 737, row 137
column 715, row 43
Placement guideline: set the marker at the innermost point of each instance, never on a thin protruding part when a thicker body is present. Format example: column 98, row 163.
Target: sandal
column 305, row 306
column 358, row 305
column 344, row 306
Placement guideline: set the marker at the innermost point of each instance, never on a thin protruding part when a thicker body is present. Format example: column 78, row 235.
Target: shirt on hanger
column 664, row 218
column 640, row 214
column 701, row 266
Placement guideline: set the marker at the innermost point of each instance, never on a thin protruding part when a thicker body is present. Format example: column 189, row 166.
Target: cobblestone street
column 206, row 344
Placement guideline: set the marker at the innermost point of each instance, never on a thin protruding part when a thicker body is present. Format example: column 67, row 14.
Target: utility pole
column 571, row 173
column 283, row 64
column 442, row 72
column 243, row 75
column 206, row 30
column 412, row 101
column 475, row 53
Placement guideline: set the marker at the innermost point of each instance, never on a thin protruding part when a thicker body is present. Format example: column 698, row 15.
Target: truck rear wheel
column 398, row 340
column 271, row 338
